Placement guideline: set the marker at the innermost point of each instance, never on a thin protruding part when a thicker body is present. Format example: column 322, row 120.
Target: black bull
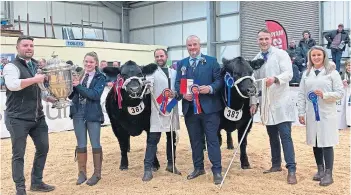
column 125, row 125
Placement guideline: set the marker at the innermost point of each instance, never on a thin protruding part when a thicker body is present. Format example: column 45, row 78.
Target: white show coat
column 325, row 131
column 281, row 108
column 159, row 80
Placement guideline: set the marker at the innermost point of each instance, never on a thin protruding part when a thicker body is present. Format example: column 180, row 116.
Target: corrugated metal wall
column 295, row 16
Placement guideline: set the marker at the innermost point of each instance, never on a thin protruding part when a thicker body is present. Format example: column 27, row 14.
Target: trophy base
column 61, row 103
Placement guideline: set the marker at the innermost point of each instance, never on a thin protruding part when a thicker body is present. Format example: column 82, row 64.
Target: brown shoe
column 273, row 169
column 292, row 178
column 97, row 159
column 82, row 165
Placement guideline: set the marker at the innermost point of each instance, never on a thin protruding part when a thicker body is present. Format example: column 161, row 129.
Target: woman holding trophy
column 87, row 116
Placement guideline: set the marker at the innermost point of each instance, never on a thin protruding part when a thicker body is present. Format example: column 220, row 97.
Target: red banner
column 278, row 34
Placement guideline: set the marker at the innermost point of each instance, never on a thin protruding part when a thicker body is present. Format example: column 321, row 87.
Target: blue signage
column 75, row 43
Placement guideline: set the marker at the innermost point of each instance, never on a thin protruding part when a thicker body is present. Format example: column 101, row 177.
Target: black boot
column 327, row 179
column 320, row 174
column 169, row 168
column 147, row 175
column 97, row 158
column 21, row 191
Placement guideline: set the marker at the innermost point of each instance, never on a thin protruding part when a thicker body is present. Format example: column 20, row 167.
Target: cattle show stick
column 235, row 152
column 171, row 128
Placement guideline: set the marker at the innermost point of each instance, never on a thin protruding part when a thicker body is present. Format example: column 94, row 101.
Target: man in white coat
column 163, row 78
column 277, row 109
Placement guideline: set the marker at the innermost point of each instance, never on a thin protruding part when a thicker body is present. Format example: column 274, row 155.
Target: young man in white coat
column 278, row 115
column 163, row 78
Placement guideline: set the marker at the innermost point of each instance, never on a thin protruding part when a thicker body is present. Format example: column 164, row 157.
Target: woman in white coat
column 163, row 78
column 345, row 119
column 320, row 88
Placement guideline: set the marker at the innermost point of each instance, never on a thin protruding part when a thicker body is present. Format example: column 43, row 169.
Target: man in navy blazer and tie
column 202, row 112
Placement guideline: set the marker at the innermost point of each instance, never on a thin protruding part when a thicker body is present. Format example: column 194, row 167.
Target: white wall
column 145, row 26
column 64, row 13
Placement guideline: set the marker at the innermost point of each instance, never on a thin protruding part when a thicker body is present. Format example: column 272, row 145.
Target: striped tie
column 31, row 67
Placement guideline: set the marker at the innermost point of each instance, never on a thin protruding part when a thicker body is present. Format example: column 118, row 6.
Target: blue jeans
column 336, row 56
column 282, row 130
column 81, row 127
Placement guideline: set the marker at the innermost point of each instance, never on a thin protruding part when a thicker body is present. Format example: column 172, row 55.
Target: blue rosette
column 312, row 96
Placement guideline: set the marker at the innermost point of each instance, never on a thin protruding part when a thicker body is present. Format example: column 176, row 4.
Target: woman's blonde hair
column 95, row 56
column 348, row 62
column 326, row 63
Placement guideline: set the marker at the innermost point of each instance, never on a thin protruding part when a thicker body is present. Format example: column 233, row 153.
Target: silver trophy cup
column 58, row 82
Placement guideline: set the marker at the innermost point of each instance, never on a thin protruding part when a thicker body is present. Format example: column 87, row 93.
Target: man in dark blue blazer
column 205, row 72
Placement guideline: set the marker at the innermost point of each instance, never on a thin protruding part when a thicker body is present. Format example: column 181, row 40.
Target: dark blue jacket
column 93, row 110
column 208, row 73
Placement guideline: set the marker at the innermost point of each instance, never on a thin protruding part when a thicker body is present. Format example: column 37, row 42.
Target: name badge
column 137, row 109
column 233, row 115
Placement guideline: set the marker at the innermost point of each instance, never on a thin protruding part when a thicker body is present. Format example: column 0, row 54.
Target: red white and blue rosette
column 195, row 90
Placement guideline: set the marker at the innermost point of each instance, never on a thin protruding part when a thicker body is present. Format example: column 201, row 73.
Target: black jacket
column 344, row 37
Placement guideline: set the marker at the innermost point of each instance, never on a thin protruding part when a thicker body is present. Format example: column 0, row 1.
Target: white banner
column 57, row 119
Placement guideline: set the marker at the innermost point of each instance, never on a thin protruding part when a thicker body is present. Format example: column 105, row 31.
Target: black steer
column 128, row 107
column 236, row 116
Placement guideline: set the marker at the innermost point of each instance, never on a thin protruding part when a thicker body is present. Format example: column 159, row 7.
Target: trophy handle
column 41, row 85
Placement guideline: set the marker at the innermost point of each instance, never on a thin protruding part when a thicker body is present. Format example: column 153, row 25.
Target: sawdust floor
column 61, row 170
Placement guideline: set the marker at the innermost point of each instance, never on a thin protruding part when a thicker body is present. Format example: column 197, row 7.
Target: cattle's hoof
column 246, row 167
column 123, row 168
column 230, row 147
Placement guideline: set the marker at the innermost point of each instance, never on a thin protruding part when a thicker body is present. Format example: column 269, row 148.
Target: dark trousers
column 324, row 156
column 198, row 125
column 336, row 56
column 151, row 148
column 19, row 130
column 282, row 130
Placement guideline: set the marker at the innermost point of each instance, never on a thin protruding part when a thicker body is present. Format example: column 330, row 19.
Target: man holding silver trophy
column 24, row 115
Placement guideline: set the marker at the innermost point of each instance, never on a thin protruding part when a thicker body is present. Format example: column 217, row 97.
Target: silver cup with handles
column 58, row 81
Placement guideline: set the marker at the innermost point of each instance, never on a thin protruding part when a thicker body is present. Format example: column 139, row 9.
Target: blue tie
column 317, row 72
column 265, row 56
column 193, row 65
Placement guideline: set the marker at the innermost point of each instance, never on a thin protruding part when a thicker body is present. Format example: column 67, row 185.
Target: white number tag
column 232, row 115
column 137, row 109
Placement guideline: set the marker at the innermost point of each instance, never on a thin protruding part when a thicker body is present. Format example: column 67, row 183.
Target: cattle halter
column 228, row 77
column 134, row 95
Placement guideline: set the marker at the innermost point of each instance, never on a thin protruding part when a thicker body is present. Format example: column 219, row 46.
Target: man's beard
column 163, row 64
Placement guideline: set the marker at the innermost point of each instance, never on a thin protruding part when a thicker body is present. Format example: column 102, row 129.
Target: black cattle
column 238, row 68
column 133, row 117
